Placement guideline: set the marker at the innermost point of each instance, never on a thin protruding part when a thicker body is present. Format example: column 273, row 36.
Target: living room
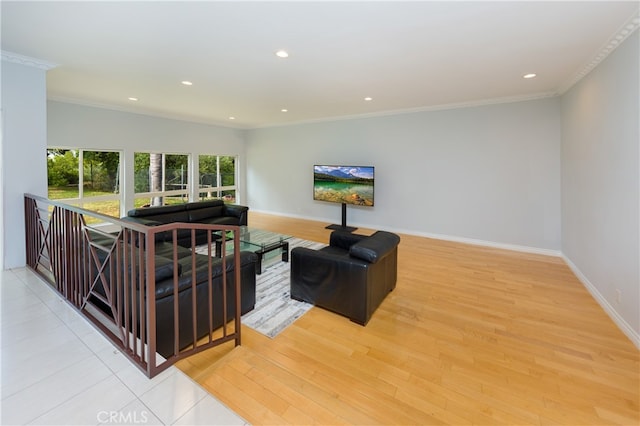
column 553, row 174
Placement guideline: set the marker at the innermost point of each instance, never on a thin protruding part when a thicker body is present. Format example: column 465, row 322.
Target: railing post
column 150, row 284
column 236, row 271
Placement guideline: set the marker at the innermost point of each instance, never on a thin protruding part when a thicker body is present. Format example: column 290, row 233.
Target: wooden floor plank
column 470, row 335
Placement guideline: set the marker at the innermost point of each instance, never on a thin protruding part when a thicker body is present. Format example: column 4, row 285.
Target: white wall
column 489, row 174
column 24, row 141
column 78, row 126
column 601, row 184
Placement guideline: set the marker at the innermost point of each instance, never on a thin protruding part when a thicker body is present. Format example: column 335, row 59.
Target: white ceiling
column 405, row 55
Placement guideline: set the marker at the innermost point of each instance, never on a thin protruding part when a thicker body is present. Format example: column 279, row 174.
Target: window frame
column 219, row 188
column 163, row 193
column 81, row 200
column 126, row 195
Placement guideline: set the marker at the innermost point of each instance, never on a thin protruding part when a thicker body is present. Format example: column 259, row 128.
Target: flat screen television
column 344, row 185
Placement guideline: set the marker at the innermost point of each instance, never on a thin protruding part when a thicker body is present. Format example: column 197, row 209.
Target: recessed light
column 284, row 110
column 530, row 75
column 282, row 54
column 232, row 118
column 368, row 98
column 133, row 99
column 187, row 83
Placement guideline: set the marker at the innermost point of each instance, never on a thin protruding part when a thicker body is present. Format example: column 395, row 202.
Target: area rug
column 275, row 310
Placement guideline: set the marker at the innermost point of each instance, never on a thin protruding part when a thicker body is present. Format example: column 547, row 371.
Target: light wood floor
column 470, row 335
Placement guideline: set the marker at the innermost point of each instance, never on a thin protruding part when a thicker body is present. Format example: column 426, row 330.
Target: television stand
column 344, row 226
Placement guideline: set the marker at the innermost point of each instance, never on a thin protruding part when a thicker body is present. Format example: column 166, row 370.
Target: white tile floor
column 58, row 370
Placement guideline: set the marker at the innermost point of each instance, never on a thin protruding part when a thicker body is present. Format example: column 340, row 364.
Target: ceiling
column 406, row 56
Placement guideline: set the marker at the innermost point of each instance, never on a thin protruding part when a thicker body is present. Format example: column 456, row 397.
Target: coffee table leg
column 283, row 245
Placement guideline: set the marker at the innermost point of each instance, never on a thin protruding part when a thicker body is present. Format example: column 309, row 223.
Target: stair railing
column 106, row 269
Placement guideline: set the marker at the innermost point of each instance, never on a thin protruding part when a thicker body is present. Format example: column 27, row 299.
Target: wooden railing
column 106, row 268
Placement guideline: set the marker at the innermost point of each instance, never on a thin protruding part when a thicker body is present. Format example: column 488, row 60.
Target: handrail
column 106, row 269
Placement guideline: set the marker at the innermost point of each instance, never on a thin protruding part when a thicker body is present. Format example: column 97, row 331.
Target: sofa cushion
column 155, row 210
column 199, row 215
column 165, row 288
column 179, row 216
column 142, row 221
column 222, row 220
column 203, row 204
column 166, row 250
column 165, row 268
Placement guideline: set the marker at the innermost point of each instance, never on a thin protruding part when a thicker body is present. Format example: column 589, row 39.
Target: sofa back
column 205, row 210
column 163, row 214
column 188, row 212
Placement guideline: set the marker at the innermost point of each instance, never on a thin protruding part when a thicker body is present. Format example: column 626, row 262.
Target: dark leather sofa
column 213, row 212
column 351, row 276
column 165, row 294
column 189, row 264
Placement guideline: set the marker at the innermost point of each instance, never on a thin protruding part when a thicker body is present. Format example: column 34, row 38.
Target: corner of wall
column 624, row 326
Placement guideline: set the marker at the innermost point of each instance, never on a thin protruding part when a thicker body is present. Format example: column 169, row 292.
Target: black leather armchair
column 351, row 276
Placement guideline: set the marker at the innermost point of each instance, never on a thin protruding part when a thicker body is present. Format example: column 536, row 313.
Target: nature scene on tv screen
column 343, row 184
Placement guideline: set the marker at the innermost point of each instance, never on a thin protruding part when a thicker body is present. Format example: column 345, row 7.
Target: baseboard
column 484, row 243
column 307, row 217
column 504, row 246
column 602, row 301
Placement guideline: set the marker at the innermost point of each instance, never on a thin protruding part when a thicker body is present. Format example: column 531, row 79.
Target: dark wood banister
column 65, row 251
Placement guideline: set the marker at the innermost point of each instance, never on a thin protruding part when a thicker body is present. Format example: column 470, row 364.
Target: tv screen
column 344, row 184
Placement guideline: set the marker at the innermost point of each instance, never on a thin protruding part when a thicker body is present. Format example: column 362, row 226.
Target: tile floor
column 58, row 370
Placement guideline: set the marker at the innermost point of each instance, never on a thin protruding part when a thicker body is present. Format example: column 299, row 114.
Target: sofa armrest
column 344, row 240
column 236, row 210
column 375, row 247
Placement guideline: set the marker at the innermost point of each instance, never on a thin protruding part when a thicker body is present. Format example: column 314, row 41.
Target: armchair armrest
column 375, row 247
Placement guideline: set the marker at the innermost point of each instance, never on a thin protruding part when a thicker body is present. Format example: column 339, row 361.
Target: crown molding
column 27, row 61
column 440, row 107
column 142, row 111
column 616, row 40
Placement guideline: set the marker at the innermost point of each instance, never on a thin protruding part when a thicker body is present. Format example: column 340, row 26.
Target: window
column 87, row 179
column 217, row 177
column 161, row 179
column 91, row 178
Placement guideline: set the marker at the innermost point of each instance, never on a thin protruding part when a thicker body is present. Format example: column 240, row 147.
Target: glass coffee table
column 266, row 244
